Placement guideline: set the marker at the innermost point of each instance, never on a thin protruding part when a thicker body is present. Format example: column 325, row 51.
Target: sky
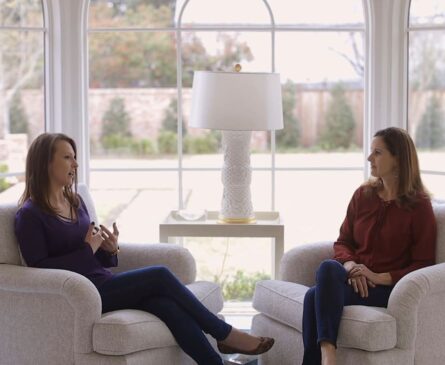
column 296, row 53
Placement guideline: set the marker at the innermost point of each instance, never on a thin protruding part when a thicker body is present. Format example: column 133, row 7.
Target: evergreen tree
column 170, row 120
column 430, row 132
column 116, row 125
column 288, row 137
column 340, row 124
column 17, row 115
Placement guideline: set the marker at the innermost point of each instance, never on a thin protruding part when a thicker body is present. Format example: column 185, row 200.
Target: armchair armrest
column 300, row 263
column 37, row 302
column 417, row 300
column 178, row 259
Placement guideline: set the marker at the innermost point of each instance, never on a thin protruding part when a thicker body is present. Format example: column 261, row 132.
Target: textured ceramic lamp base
column 236, row 177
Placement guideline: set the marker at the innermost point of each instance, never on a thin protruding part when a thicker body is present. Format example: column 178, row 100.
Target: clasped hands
column 360, row 278
column 102, row 237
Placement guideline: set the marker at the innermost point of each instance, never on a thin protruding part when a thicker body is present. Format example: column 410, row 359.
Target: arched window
column 22, row 104
column 142, row 54
column 426, row 96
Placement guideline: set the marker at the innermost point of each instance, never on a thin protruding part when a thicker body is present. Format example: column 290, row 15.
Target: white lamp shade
column 237, row 101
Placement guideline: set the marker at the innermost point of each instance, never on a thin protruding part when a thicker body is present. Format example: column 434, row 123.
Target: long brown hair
column 401, row 146
column 40, row 155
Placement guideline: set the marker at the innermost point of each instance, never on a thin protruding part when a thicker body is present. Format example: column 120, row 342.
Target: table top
column 209, row 218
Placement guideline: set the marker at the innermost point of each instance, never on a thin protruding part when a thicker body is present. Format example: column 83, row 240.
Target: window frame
column 44, row 30
column 272, row 28
column 408, row 30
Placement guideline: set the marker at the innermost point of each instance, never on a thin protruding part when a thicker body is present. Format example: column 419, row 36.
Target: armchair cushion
column 300, row 263
column 439, row 212
column 9, row 249
column 177, row 258
column 280, row 300
column 126, row 331
column 361, row 327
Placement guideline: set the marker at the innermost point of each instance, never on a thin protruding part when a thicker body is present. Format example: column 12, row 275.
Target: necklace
column 67, row 219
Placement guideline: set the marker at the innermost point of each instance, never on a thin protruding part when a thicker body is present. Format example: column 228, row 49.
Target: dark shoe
column 265, row 345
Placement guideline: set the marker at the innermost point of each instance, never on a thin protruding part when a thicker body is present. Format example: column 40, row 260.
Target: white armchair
column 410, row 331
column 53, row 317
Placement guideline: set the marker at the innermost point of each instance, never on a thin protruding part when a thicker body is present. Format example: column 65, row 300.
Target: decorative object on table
column 190, row 215
column 236, row 103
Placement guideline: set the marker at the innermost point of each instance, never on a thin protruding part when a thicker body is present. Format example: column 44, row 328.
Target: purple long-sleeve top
column 49, row 242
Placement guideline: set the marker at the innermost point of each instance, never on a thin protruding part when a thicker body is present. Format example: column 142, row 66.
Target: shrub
column 340, row 124
column 430, row 132
column 201, row 144
column 170, row 119
column 3, row 183
column 17, row 115
column 143, row 147
column 116, row 125
column 116, row 141
column 241, row 286
column 167, row 142
column 289, row 136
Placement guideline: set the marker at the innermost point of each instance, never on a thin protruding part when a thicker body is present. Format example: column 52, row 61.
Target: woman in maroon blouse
column 389, row 231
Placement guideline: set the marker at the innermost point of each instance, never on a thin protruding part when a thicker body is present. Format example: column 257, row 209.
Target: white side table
column 268, row 224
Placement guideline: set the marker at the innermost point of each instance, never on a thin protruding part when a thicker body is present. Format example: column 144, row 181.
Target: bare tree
column 356, row 58
column 20, row 53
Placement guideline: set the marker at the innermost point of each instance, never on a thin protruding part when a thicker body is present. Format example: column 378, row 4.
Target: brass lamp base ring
column 248, row 220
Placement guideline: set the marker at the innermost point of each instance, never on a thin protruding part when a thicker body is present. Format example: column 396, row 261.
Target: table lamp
column 236, row 103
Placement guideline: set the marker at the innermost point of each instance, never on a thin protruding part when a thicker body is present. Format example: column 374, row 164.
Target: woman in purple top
column 53, row 229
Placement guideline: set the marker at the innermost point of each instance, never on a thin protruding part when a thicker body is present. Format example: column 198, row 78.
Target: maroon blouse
column 386, row 237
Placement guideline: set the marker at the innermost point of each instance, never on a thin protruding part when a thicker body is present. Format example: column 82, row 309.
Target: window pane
column 426, row 114
column 21, row 13
column 432, row 160
column 137, row 201
column 132, row 60
column 217, row 12
column 220, row 51
column 204, row 190
column 225, row 260
column 131, row 13
column 436, row 183
column 132, row 96
column 314, row 203
column 424, row 12
column 21, row 99
column 323, row 106
column 318, row 12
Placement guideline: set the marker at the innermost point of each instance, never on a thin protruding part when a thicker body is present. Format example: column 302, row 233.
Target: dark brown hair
column 401, row 146
column 40, row 154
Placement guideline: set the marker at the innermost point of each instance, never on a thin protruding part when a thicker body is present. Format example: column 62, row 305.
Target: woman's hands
column 360, row 278
column 103, row 238
column 94, row 237
column 110, row 242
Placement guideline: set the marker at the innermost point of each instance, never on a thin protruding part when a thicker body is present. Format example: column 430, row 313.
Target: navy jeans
column 156, row 290
column 323, row 307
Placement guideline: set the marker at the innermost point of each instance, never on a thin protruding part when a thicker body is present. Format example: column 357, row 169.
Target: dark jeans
column 323, row 307
column 156, row 290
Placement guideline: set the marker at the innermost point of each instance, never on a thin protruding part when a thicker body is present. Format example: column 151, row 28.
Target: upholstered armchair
column 53, row 317
column 410, row 331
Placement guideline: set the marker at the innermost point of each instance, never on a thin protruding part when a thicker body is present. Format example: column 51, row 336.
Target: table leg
column 163, row 236
column 277, row 254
